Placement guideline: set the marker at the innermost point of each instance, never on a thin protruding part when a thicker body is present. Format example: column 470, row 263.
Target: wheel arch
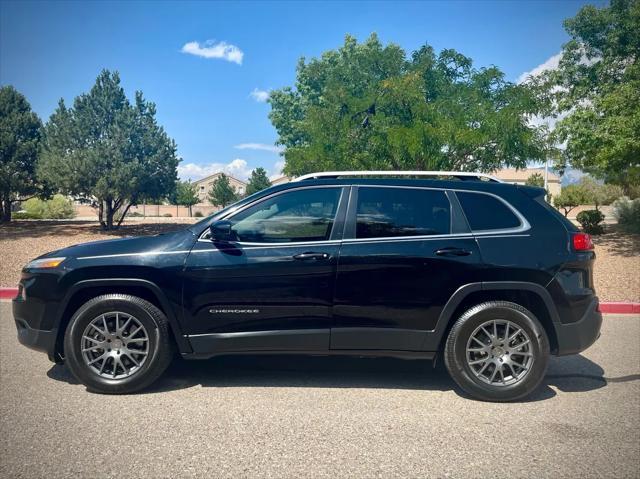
column 83, row 291
column 529, row 295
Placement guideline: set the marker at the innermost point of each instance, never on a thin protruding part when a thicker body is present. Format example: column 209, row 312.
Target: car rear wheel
column 497, row 351
column 118, row 344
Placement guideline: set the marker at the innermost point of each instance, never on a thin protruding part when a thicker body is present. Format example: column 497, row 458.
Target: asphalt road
column 322, row 417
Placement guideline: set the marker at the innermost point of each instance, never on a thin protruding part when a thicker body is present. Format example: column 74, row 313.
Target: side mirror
column 221, row 231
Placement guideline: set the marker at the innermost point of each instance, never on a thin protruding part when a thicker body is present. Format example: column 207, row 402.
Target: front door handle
column 452, row 251
column 311, row 256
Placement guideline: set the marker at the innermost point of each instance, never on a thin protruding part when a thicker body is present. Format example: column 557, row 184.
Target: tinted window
column 389, row 212
column 302, row 215
column 485, row 212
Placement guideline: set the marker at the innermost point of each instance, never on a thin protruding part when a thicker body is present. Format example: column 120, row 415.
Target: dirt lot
column 617, row 272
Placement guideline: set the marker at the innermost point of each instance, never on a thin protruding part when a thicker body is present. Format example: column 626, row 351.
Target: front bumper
column 26, row 314
column 576, row 337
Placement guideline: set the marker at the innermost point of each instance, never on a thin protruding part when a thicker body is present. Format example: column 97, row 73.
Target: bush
column 167, row 215
column 58, row 207
column 135, row 214
column 198, row 214
column 627, row 212
column 590, row 221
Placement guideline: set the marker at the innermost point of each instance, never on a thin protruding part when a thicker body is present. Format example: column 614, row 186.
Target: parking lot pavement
column 322, row 417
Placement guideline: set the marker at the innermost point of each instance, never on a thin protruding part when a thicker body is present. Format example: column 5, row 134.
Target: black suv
column 484, row 274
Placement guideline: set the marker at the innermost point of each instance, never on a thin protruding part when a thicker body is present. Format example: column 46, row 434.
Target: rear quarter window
column 485, row 212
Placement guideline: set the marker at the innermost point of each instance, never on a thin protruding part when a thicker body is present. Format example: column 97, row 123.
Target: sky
column 208, row 66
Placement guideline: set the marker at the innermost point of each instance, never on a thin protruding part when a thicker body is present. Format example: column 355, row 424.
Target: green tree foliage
column 367, row 107
column 570, row 197
column 186, row 194
column 535, row 180
column 19, row 142
column 597, row 87
column 109, row 150
column 221, row 193
column 597, row 194
column 258, row 181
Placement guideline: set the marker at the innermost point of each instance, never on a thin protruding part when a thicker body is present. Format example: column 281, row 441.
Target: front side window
column 485, row 212
column 393, row 212
column 301, row 215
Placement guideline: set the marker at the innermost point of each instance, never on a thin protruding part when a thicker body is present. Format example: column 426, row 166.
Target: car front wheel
column 497, row 351
column 118, row 344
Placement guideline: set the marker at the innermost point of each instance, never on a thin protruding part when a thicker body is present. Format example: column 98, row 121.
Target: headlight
column 45, row 263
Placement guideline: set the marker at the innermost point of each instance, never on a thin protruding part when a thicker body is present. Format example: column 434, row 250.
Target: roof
column 206, row 178
column 513, row 174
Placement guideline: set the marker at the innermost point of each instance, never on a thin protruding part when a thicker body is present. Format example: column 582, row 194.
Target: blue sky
column 203, row 91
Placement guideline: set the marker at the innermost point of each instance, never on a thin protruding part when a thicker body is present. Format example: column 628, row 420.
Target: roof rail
column 461, row 175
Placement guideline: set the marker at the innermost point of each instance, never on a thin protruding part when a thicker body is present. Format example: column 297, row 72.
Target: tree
column 598, row 194
column 186, row 194
column 535, row 180
column 368, row 107
column 258, row 181
column 109, row 150
column 570, row 197
column 221, row 193
column 597, row 87
column 20, row 130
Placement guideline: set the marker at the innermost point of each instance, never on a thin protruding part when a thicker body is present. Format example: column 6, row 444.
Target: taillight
column 582, row 242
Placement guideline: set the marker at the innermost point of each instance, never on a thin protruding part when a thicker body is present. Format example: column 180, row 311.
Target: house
column 520, row 177
column 203, row 186
column 280, row 180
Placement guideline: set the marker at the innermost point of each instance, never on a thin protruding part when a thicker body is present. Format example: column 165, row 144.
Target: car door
column 405, row 251
column 271, row 287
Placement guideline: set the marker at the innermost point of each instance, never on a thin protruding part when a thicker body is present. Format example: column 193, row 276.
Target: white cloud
column 259, row 146
column 550, row 63
column 276, row 171
column 237, row 168
column 260, row 96
column 210, row 49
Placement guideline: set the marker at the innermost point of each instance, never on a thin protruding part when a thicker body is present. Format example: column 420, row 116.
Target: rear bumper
column 41, row 340
column 576, row 337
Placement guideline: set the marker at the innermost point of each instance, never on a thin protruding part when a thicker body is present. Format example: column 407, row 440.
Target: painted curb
column 605, row 307
column 8, row 293
column 619, row 308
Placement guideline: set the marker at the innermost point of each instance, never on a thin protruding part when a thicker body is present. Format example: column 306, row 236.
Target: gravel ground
column 322, row 417
column 617, row 268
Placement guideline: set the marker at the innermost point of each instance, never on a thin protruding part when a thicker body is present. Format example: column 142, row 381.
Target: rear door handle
column 452, row 251
column 311, row 256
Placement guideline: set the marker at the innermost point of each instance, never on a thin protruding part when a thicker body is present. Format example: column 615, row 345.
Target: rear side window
column 486, row 212
column 393, row 212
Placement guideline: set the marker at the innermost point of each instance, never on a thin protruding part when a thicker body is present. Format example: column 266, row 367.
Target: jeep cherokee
column 458, row 266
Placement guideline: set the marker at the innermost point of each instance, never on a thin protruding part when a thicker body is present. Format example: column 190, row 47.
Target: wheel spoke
column 477, row 361
column 523, row 343
column 130, row 356
column 96, row 359
column 126, row 323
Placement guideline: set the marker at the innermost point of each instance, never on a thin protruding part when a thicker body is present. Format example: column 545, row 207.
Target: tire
column 127, row 364
column 472, row 365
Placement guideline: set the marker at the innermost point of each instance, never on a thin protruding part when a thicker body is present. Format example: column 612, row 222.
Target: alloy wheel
column 500, row 353
column 115, row 345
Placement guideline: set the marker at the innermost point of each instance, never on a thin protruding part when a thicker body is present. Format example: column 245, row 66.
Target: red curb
column 8, row 293
column 620, row 308
column 606, row 307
